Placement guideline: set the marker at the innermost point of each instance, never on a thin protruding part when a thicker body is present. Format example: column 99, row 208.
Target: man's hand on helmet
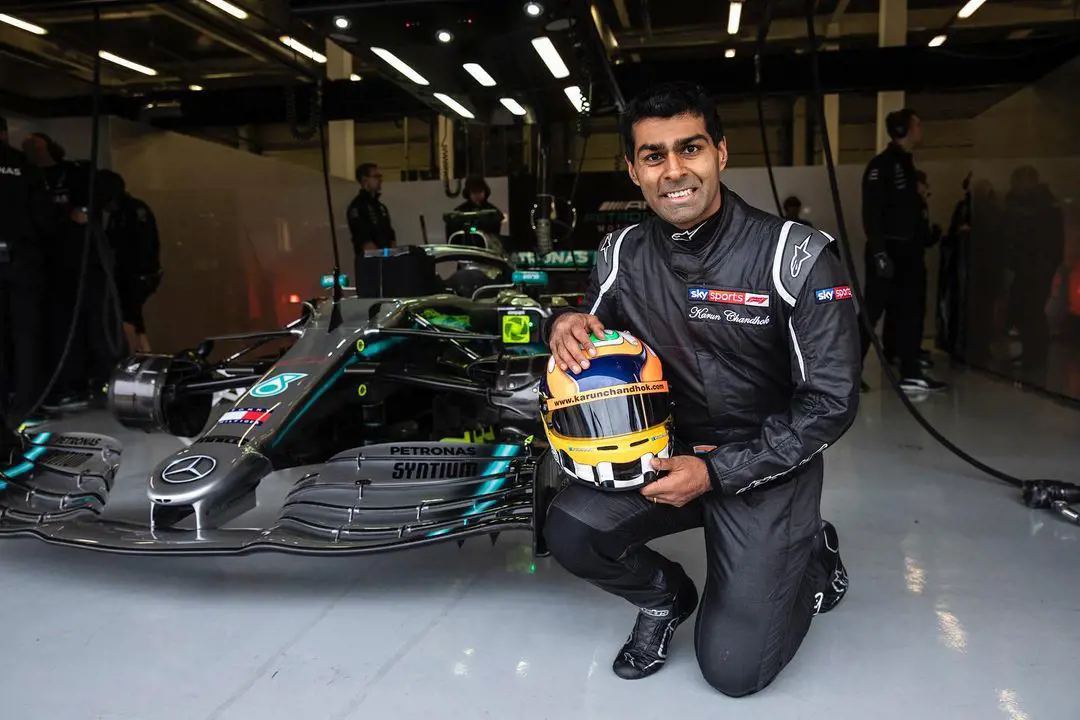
column 687, row 478
column 569, row 341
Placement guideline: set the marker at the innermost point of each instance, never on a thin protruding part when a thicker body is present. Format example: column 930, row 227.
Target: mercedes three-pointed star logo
column 188, row 469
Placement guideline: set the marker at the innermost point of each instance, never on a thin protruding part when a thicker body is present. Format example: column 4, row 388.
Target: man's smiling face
column 677, row 166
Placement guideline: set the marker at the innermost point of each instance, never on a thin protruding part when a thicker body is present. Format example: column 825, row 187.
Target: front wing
column 365, row 500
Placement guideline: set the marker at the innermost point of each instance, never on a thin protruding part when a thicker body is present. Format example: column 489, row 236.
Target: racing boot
column 836, row 578
column 645, row 650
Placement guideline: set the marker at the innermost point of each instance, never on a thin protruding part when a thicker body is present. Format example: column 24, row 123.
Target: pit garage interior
column 241, row 124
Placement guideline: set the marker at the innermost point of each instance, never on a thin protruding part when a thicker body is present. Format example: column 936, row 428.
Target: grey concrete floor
column 963, row 604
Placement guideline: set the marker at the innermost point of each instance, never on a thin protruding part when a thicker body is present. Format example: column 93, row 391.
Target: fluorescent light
column 355, row 78
column 302, row 49
column 969, row 9
column 444, row 36
column 734, row 17
column 23, row 25
column 533, row 9
column 126, row 63
column 195, row 88
column 228, row 8
column 547, row 52
column 479, row 74
column 512, row 105
column 729, row 53
column 576, row 98
column 455, row 106
column 938, row 41
column 393, row 61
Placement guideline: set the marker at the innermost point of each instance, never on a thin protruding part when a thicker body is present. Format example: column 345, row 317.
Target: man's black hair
column 792, row 201
column 365, row 169
column 668, row 100
column 475, row 183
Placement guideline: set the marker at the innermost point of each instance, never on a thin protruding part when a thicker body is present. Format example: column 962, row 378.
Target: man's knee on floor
column 732, row 675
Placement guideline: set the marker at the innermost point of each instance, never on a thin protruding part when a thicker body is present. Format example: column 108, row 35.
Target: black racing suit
column 753, row 320
column 25, row 226
column 892, row 213
column 133, row 234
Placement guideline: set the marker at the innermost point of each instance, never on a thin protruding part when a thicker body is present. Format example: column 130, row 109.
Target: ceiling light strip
column 547, row 52
column 513, row 106
column 479, row 74
column 302, row 49
column 969, row 8
column 228, row 8
column 455, row 106
column 395, row 62
column 734, row 17
column 23, row 25
column 576, row 98
column 123, row 62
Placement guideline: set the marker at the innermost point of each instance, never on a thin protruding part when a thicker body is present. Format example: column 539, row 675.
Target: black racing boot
column 645, row 650
column 836, row 578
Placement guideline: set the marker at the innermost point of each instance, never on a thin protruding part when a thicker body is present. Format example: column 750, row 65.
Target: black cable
column 335, row 314
column 762, row 35
column 1037, row 493
column 95, row 133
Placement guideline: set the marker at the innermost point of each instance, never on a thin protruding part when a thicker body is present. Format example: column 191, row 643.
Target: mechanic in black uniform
column 893, row 216
column 133, row 235
column 753, row 320
column 25, row 218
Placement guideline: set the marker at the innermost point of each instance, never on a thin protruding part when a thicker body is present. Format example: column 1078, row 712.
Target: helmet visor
column 610, row 411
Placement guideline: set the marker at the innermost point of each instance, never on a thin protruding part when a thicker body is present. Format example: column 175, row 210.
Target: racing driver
column 753, row 320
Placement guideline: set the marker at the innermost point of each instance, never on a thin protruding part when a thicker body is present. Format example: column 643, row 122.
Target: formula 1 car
column 407, row 421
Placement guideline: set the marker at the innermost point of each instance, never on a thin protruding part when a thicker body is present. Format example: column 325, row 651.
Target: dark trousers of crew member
column 764, row 566
column 91, row 356
column 22, row 341
column 891, row 328
column 904, row 296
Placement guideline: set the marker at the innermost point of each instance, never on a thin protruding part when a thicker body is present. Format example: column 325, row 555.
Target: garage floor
column 963, row 604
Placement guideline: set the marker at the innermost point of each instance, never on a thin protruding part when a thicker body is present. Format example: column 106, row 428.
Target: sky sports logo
column 728, row 297
column 840, row 292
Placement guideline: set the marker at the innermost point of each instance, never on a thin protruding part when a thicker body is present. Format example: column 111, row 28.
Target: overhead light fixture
column 455, row 106
column 576, row 98
column 23, row 25
column 533, row 9
column 393, row 61
column 444, row 36
column 195, row 88
column 355, row 78
column 228, row 8
column 342, row 22
column 547, row 52
column 479, row 74
column 969, row 8
column 122, row 62
column 729, row 53
column 302, row 49
column 512, row 105
column 734, row 17
column 938, row 41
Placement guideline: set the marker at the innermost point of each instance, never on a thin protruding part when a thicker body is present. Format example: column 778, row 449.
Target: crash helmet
column 605, row 424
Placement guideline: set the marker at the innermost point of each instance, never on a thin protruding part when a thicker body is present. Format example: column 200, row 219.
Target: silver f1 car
column 408, row 421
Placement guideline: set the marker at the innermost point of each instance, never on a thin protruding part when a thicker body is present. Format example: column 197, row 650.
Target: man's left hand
column 687, row 479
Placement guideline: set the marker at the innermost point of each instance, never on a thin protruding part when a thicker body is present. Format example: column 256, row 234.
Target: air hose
column 89, row 242
column 1041, row 493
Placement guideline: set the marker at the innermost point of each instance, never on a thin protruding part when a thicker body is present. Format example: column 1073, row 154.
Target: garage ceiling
column 224, row 62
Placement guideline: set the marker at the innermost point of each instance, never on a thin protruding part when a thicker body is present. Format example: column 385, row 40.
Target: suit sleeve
column 823, row 342
column 875, row 185
column 360, row 226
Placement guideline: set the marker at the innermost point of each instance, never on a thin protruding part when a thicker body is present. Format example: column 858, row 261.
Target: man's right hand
column 883, row 265
column 570, row 343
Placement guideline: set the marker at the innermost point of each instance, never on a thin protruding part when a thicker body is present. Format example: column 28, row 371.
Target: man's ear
column 631, row 171
column 722, row 154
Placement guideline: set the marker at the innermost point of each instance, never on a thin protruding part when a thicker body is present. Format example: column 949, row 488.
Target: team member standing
column 25, row 224
column 761, row 388
column 893, row 218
